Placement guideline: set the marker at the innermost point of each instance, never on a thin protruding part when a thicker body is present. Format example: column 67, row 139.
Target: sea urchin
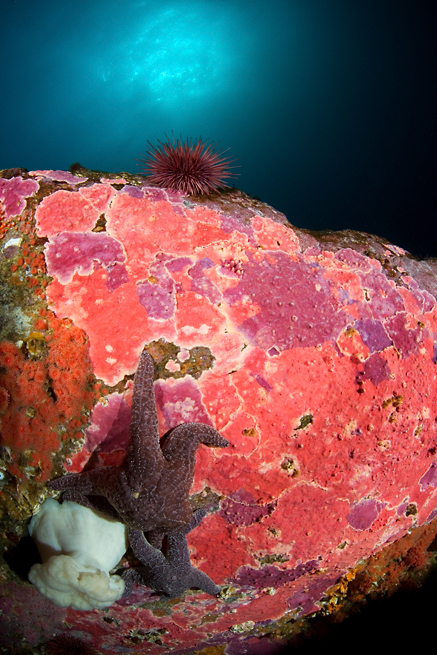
column 193, row 169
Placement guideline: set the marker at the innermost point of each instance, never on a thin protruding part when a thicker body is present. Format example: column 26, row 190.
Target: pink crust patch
column 95, row 306
column 13, row 193
column 273, row 236
column 118, row 180
column 180, row 402
column 59, row 176
column 80, row 251
column 162, row 229
column 72, row 211
column 110, row 422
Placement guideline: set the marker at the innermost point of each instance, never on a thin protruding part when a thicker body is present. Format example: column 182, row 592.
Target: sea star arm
column 153, row 572
column 171, row 574
column 89, row 488
column 144, row 551
column 141, row 468
column 144, row 459
column 88, row 482
column 179, row 448
column 182, row 441
column 130, row 576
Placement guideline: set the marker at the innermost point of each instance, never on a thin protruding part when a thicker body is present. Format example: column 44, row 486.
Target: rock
column 314, row 354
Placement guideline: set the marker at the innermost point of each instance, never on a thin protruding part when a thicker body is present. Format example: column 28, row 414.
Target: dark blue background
column 328, row 105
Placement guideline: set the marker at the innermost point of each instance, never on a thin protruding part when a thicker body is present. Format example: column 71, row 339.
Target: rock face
column 314, row 354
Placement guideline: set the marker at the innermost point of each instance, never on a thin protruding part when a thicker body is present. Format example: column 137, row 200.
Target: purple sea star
column 148, row 491
column 171, row 573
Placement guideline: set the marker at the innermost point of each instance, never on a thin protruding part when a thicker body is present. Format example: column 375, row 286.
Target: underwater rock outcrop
column 313, row 354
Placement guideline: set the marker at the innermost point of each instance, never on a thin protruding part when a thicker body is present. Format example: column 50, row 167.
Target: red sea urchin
column 193, row 169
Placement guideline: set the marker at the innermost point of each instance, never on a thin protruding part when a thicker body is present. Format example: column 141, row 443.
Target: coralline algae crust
column 313, row 354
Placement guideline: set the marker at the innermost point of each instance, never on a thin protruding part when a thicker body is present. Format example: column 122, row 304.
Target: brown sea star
column 148, row 491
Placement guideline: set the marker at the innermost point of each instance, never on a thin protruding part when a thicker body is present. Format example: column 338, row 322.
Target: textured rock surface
column 314, row 354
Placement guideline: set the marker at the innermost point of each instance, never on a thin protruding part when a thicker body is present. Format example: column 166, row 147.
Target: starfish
column 148, row 491
column 170, row 574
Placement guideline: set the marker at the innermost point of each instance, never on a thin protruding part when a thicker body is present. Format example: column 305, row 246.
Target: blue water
column 329, row 106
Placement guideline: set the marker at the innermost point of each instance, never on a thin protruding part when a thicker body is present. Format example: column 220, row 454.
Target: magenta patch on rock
column 60, row 176
column 231, row 223
column 13, row 193
column 177, row 264
column 81, row 252
column 138, row 192
column 373, row 334
column 262, row 382
column 117, row 275
column 109, row 429
column 376, row 369
column 158, row 299
column 432, row 515
column 289, row 295
column 430, row 478
column 406, row 340
column 157, row 294
column 313, row 592
column 201, row 284
column 271, row 576
column 385, row 300
column 181, row 403
column 364, row 513
column 241, row 508
column 401, row 509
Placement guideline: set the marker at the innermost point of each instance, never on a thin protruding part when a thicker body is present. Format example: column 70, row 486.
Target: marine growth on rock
column 148, row 491
column 313, row 354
